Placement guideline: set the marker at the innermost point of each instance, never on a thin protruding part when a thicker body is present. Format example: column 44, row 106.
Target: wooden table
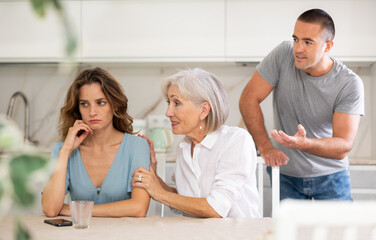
column 152, row 227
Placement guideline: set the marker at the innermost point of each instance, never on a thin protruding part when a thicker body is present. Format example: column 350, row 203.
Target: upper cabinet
column 355, row 29
column 178, row 30
column 149, row 29
column 29, row 38
column 255, row 27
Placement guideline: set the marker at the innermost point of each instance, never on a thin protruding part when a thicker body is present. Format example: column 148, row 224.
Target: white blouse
column 222, row 170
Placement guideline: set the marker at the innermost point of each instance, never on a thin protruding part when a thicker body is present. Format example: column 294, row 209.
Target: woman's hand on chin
column 76, row 134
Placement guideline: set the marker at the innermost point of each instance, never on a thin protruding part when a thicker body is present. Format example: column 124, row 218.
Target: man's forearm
column 253, row 94
column 254, row 121
column 334, row 147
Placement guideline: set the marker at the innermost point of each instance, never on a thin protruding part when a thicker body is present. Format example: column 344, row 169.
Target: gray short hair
column 200, row 86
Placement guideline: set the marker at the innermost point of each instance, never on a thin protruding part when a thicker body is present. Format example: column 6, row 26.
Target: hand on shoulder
column 153, row 160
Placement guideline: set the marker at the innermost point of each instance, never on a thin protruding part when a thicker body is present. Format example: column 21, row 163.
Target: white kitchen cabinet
column 149, row 30
column 26, row 37
column 254, row 28
column 178, row 31
column 363, row 182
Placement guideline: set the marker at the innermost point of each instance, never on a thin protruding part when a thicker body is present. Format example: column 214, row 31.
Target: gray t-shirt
column 311, row 101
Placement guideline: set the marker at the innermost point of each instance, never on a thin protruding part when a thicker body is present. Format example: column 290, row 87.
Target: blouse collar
column 207, row 142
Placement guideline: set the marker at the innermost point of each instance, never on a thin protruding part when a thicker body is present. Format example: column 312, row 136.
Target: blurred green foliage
column 21, row 167
column 1, row 190
column 21, row 232
column 41, row 7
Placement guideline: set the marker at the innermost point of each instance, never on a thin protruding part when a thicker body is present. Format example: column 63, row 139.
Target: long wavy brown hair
column 113, row 91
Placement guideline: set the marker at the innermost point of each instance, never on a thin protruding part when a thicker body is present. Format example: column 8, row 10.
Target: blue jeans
column 334, row 186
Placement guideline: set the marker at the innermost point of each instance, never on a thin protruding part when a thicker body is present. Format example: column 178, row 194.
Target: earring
column 200, row 127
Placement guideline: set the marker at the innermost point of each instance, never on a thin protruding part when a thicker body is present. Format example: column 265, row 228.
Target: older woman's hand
column 149, row 181
column 153, row 160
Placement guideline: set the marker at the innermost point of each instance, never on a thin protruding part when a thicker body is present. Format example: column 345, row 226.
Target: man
column 317, row 104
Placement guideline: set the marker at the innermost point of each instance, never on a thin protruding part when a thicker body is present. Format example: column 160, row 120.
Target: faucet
column 27, row 112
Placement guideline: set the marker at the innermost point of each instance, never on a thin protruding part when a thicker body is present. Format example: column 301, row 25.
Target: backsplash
column 45, row 86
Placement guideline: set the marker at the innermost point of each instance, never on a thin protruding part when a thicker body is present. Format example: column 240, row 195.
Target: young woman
column 99, row 154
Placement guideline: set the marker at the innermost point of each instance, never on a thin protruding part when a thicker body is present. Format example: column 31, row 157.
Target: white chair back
column 157, row 208
column 275, row 186
column 320, row 220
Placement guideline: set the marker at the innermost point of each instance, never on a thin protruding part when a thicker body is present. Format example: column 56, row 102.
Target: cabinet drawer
column 363, row 176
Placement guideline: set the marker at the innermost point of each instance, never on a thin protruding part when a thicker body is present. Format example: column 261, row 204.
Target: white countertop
column 362, row 161
column 144, row 228
column 170, row 157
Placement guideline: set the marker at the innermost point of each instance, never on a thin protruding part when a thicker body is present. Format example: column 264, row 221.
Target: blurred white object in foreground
column 320, row 220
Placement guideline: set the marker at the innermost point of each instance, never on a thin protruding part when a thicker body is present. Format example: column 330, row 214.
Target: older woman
column 215, row 163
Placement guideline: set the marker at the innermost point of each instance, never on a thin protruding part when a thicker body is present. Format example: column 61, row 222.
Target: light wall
column 45, row 86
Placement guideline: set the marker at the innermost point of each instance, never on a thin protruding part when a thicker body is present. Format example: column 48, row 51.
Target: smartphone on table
column 59, row 222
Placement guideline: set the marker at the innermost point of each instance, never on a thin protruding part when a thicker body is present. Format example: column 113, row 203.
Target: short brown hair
column 113, row 91
column 320, row 17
